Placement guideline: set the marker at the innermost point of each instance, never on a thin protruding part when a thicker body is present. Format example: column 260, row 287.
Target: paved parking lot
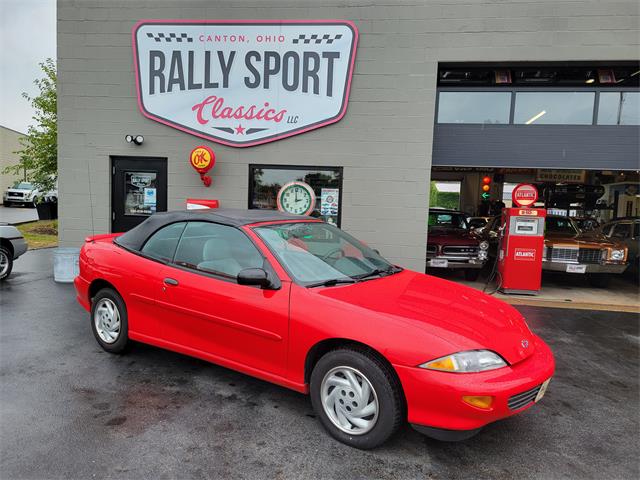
column 70, row 410
column 15, row 215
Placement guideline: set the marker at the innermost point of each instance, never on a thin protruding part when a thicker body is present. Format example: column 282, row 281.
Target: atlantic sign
column 243, row 83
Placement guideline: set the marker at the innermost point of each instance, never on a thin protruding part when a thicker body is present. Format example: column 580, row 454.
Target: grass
column 40, row 234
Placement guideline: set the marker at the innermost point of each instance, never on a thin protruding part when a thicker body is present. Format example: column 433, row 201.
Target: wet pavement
column 18, row 214
column 70, row 410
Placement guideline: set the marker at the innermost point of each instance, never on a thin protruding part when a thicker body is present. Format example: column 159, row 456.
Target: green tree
column 39, row 152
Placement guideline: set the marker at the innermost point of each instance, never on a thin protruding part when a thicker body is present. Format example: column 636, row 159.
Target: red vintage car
column 300, row 303
column 451, row 243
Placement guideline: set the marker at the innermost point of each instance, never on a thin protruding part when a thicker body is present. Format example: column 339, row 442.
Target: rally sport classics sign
column 243, row 83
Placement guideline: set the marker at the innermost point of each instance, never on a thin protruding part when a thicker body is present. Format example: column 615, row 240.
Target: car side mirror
column 254, row 276
column 493, row 234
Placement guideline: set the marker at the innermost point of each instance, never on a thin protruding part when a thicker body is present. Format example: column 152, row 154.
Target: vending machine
column 521, row 250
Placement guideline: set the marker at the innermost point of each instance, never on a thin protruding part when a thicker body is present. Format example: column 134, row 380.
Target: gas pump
column 521, row 244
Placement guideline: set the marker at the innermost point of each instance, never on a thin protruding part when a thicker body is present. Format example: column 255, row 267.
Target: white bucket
column 65, row 264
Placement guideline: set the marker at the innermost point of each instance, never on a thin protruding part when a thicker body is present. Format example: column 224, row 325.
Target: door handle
column 170, row 282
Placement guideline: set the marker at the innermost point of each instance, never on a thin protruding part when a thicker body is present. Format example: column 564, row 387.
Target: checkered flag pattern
column 326, row 38
column 171, row 37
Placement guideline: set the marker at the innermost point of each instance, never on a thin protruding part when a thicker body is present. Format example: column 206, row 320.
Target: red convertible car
column 300, row 303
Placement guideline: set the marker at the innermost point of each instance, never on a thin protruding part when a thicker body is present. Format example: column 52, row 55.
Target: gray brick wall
column 386, row 170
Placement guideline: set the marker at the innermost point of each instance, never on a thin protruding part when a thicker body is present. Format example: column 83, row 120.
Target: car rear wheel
column 6, row 263
column 357, row 397
column 109, row 320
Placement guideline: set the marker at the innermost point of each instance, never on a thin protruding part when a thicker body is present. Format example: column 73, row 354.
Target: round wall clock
column 297, row 198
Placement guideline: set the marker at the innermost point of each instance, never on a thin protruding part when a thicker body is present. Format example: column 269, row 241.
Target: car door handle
column 172, row 282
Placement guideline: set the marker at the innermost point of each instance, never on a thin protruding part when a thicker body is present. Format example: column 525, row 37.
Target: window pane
column 217, row 248
column 554, row 108
column 316, row 252
column 162, row 244
column 140, row 193
column 474, row 107
column 266, row 183
column 619, row 108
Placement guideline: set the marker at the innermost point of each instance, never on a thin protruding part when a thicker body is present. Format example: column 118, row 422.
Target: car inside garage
column 568, row 130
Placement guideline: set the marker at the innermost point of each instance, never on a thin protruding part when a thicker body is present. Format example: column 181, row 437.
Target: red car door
column 207, row 311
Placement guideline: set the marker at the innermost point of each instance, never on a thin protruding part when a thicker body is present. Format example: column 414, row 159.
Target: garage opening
column 572, row 131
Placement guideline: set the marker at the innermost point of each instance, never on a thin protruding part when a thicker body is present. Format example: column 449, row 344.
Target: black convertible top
column 235, row 217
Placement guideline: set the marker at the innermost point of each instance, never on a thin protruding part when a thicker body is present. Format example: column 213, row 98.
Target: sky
column 27, row 37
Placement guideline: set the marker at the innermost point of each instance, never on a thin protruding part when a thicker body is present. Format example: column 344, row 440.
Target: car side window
column 218, row 249
column 162, row 244
column 621, row 230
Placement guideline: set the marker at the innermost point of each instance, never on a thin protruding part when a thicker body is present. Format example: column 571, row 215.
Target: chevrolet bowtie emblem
column 524, row 343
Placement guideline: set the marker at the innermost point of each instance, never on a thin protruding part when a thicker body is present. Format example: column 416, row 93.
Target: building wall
column 9, row 143
column 384, row 142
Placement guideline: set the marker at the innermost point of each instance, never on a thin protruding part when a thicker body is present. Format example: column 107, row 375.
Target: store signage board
column 244, row 82
column 561, row 176
column 524, row 195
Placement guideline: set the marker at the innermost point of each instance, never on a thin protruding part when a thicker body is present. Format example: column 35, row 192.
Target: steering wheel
column 334, row 255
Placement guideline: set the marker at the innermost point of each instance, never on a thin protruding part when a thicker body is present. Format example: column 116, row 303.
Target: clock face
column 296, row 198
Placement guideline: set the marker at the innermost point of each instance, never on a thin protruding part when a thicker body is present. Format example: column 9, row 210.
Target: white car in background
column 23, row 193
column 26, row 193
column 12, row 245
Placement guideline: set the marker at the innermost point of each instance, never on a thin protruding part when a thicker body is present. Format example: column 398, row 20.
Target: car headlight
column 482, row 255
column 466, row 362
column 484, row 245
column 616, row 255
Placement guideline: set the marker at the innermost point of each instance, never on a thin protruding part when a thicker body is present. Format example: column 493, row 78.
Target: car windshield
column 560, row 225
column 449, row 220
column 315, row 253
column 23, row 186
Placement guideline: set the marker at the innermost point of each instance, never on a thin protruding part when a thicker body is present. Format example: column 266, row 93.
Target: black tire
column 5, row 253
column 122, row 340
column 471, row 274
column 391, row 410
column 6, row 204
column 599, row 280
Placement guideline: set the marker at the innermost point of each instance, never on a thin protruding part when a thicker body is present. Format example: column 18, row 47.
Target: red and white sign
column 528, row 212
column 524, row 195
column 526, row 254
column 244, row 82
column 201, row 203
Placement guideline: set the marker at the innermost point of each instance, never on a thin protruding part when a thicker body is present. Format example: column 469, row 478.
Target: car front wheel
column 357, row 397
column 109, row 321
column 6, row 263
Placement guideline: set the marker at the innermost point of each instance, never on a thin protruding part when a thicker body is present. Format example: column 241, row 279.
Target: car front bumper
column 590, row 267
column 17, row 200
column 434, row 399
column 457, row 264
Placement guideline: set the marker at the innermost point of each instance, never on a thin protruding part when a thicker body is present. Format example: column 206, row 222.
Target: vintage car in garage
column 450, row 243
column 627, row 231
column 568, row 249
column 300, row 303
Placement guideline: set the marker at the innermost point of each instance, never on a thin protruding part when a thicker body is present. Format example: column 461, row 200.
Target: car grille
column 589, row 255
column 573, row 255
column 522, row 399
column 461, row 251
column 563, row 255
column 14, row 194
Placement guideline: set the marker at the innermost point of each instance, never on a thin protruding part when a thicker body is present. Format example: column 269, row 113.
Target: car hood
column 464, row 317
column 18, row 190
column 585, row 239
column 450, row 236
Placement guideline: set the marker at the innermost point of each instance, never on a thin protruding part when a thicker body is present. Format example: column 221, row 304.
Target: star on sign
column 240, row 130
